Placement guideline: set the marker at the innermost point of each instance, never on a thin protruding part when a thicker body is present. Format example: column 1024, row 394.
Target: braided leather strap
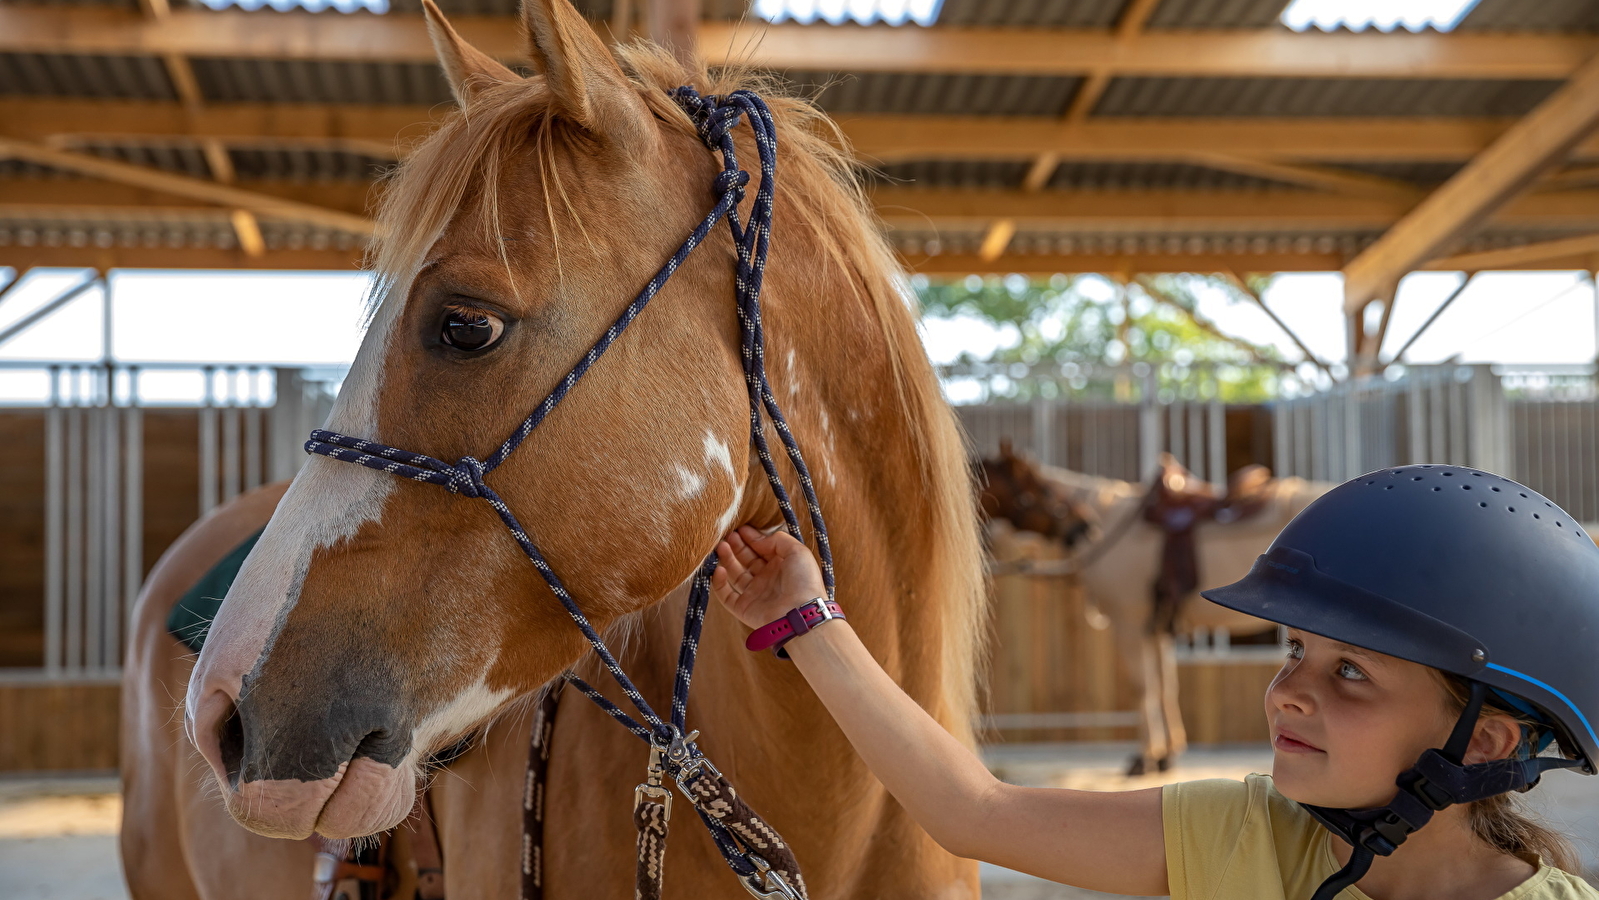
column 533, row 792
column 650, row 818
column 717, row 802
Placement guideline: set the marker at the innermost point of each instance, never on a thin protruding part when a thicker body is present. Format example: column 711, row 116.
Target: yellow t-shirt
column 1231, row 840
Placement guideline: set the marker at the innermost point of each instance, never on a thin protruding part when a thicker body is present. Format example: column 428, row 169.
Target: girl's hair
column 1502, row 821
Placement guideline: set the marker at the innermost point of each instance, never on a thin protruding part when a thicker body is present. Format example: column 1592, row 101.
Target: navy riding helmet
column 1461, row 570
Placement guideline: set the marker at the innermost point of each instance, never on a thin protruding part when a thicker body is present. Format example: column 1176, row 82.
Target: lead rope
column 765, row 865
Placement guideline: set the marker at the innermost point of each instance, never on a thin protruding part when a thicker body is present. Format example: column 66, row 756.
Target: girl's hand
column 762, row 577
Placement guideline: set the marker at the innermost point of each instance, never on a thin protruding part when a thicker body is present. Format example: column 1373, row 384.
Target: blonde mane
column 823, row 188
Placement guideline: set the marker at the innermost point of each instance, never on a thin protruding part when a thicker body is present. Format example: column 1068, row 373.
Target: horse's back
column 178, row 841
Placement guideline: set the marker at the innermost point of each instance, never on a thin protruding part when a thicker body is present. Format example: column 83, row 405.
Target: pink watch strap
column 799, row 620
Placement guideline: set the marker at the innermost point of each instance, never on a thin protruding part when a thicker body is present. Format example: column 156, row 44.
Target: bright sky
column 316, row 319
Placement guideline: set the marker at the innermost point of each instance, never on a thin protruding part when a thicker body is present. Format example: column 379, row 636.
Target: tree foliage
column 1078, row 334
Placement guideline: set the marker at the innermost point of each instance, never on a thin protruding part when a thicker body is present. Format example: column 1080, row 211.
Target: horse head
column 1014, row 489
column 379, row 619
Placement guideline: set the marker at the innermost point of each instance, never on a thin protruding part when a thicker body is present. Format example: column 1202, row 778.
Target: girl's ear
column 1496, row 737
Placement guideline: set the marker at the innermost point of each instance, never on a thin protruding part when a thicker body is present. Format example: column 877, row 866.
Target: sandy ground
column 58, row 836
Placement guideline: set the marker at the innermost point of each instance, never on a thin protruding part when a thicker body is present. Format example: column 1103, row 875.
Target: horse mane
column 823, row 188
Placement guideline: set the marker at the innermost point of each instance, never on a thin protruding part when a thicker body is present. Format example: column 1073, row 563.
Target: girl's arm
column 1106, row 841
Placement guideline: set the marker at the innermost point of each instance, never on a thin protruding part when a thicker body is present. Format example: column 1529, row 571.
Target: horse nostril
column 230, row 739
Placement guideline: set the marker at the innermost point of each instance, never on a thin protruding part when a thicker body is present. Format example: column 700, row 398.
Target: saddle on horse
column 1178, row 502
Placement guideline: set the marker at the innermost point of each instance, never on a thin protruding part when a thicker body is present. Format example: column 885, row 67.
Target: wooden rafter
column 1100, row 212
column 1545, row 136
column 1311, row 176
column 913, row 208
column 1581, row 251
column 184, row 186
column 384, row 130
column 401, row 37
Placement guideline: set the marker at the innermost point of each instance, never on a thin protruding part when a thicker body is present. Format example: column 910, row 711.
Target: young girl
column 1442, row 625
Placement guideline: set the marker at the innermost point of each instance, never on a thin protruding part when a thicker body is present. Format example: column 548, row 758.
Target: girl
column 1442, row 624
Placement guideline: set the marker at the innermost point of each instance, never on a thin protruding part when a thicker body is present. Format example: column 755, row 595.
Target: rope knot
column 466, row 477
column 731, row 180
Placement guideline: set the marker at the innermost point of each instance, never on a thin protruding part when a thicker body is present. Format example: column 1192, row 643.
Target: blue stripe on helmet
column 1550, row 688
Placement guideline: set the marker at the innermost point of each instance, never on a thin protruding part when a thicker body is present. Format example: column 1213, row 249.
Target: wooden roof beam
column 904, row 208
column 184, row 186
column 1504, row 169
column 917, row 209
column 384, row 131
column 1575, row 253
column 399, row 37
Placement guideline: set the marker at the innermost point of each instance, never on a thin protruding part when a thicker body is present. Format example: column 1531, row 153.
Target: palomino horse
column 1117, row 559
column 378, row 620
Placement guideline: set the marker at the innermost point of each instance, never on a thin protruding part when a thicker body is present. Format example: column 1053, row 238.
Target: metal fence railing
column 248, row 424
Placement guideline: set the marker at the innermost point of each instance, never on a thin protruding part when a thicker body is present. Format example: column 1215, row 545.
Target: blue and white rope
column 715, row 118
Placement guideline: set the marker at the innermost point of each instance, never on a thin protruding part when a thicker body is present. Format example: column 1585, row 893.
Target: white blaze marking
column 327, row 502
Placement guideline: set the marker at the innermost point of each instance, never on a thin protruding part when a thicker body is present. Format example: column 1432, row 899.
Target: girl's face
column 1345, row 722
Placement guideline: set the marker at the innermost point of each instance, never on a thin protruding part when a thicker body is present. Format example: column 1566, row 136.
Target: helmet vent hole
column 1560, row 524
column 1511, row 508
column 1536, row 516
column 1416, row 478
column 1523, row 496
column 1448, row 474
column 1437, row 488
column 1465, row 487
column 1494, row 489
column 1389, row 488
column 1483, row 505
column 1476, row 474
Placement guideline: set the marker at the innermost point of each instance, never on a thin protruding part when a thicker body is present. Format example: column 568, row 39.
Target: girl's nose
column 1289, row 690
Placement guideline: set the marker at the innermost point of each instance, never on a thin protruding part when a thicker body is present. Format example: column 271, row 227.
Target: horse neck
column 832, row 366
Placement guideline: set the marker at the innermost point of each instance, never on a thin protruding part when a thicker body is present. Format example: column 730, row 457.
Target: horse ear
column 585, row 83
column 466, row 67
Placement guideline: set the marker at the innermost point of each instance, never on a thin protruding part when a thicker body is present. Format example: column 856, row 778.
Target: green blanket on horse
column 190, row 619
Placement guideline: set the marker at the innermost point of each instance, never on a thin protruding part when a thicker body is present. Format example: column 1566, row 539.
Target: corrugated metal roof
column 1425, row 174
column 260, row 163
column 946, row 173
column 305, row 164
column 196, row 229
column 74, row 75
column 1167, row 242
column 1089, row 176
column 319, row 81
column 1034, row 13
column 1532, row 15
column 1217, row 13
column 1320, row 97
column 935, row 93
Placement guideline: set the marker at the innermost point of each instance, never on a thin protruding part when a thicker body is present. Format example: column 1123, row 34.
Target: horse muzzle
column 340, row 769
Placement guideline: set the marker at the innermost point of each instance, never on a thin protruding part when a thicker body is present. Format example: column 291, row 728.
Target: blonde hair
column 1503, row 821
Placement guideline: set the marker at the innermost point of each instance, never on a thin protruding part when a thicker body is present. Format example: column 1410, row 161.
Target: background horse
column 378, row 620
column 1053, row 516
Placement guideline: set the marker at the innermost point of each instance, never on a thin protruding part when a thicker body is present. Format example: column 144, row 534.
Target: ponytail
column 1503, row 821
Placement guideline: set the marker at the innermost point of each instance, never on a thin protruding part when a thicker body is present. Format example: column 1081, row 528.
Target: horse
column 1094, row 529
column 378, row 620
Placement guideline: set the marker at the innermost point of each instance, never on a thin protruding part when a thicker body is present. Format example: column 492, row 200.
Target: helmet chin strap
column 1439, row 779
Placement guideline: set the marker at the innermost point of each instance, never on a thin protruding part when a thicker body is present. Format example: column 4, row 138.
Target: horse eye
column 470, row 329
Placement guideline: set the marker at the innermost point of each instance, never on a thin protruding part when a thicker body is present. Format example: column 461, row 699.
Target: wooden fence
column 1051, row 670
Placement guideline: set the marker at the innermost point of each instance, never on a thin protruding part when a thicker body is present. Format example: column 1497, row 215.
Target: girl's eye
column 470, row 329
column 1296, row 650
column 1348, row 670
